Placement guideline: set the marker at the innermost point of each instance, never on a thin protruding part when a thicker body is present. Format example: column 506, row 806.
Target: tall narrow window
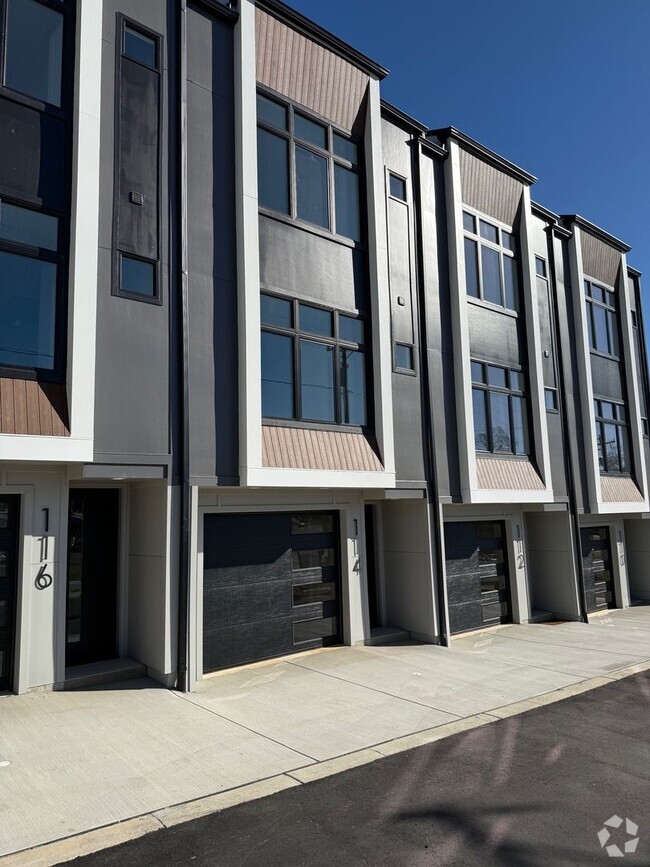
column 500, row 409
column 612, row 436
column 602, row 319
column 491, row 264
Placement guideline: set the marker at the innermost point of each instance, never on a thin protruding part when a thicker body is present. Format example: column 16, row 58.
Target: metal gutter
column 478, row 150
column 601, row 234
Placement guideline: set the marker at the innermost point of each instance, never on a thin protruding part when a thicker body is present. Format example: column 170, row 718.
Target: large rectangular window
column 313, row 363
column 491, row 263
column 500, row 409
column 612, row 435
column 602, row 319
column 33, row 50
column 306, row 169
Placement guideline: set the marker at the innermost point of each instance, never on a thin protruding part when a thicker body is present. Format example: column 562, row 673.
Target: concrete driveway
column 73, row 761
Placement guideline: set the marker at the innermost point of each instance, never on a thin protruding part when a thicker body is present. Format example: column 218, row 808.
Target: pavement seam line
column 557, row 644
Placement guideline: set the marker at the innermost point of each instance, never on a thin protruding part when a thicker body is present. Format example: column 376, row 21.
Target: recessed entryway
column 9, row 521
column 478, row 586
column 93, row 556
column 271, row 586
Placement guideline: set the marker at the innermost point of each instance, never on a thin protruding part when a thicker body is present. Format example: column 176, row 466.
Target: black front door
column 371, row 567
column 271, row 586
column 9, row 519
column 478, row 586
column 597, row 568
column 93, row 524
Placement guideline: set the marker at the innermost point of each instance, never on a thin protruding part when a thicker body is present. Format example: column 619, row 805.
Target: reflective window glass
column 309, row 130
column 33, row 52
column 497, row 376
column 611, row 448
column 480, row 420
column 350, row 329
column 490, row 262
column 508, row 241
column 489, row 232
column 352, row 378
column 520, row 426
column 312, row 199
column 317, row 381
column 397, row 187
column 316, row 321
column 312, row 558
column 510, row 280
column 139, row 47
column 404, row 357
column 346, row 193
column 28, row 227
column 271, row 112
column 28, row 304
column 318, row 591
column 311, row 522
column 277, row 376
column 600, row 340
column 276, row 311
column 500, row 422
column 469, row 222
column 471, row 268
column 345, row 148
column 137, row 277
column 272, row 171
column 478, row 371
column 540, row 267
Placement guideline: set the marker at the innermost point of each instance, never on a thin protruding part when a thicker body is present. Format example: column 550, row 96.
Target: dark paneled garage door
column 477, row 575
column 271, row 586
column 597, row 568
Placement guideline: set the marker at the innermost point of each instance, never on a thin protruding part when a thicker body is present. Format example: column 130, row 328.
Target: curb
column 88, row 842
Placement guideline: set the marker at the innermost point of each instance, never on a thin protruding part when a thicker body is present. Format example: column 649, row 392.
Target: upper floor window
column 30, row 279
column 612, row 435
column 313, row 363
column 500, row 409
column 33, row 56
column 490, row 262
column 602, row 319
column 307, row 169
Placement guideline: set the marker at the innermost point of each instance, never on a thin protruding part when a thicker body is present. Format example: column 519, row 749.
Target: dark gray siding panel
column 212, row 284
column 302, row 263
column 607, row 378
column 556, row 449
column 494, row 336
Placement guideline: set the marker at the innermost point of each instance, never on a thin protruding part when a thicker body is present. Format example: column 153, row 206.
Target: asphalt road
column 534, row 789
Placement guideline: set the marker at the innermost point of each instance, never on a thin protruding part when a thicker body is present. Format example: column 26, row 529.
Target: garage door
column 271, row 586
column 477, row 575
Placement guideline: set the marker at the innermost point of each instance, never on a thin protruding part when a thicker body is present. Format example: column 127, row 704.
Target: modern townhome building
column 281, row 367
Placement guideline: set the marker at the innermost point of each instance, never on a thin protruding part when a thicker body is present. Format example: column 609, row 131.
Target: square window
column 497, row 376
column 397, row 187
column 345, row 148
column 316, row 321
column 404, row 357
column 137, row 277
column 310, row 131
column 469, row 222
column 139, row 47
column 271, row 112
column 489, row 232
column 350, row 329
column 276, row 311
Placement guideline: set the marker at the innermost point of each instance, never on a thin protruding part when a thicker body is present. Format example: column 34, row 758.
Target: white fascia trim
column 459, row 320
column 379, row 284
column 248, row 264
column 620, row 508
column 584, row 367
column 272, row 477
column 84, row 229
column 41, row 448
column 534, row 344
column 514, row 498
column 632, row 378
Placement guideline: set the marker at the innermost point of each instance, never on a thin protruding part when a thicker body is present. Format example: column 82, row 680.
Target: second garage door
column 271, row 586
column 478, row 589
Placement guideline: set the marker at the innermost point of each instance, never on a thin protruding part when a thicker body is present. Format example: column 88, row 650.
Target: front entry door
column 9, row 515
column 597, row 568
column 93, row 523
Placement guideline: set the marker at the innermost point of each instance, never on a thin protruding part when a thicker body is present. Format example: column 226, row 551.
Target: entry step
column 387, row 635
column 540, row 616
column 98, row 673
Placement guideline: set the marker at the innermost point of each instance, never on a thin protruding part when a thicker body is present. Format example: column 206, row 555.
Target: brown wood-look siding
column 502, row 474
column 488, row 190
column 599, row 260
column 34, row 408
column 619, row 490
column 307, row 73
column 301, row 449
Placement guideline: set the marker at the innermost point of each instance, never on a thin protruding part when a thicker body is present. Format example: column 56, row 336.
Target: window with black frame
column 500, row 409
column 491, row 266
column 307, row 169
column 313, row 363
column 613, row 438
column 36, row 58
column 602, row 319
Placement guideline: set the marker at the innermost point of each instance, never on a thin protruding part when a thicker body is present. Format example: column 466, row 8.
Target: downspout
column 430, row 459
column 183, row 356
column 569, row 465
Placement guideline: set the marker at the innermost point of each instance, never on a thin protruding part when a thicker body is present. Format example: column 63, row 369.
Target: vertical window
column 492, row 275
column 500, row 409
column 34, row 50
column 602, row 319
column 303, row 164
column 313, row 363
column 612, row 437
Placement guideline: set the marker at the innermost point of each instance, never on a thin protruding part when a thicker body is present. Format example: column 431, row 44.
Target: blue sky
column 560, row 87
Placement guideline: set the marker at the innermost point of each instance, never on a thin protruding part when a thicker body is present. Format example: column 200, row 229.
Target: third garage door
column 478, row 588
column 271, row 586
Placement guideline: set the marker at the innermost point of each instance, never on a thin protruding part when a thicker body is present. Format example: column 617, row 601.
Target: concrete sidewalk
column 74, row 761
